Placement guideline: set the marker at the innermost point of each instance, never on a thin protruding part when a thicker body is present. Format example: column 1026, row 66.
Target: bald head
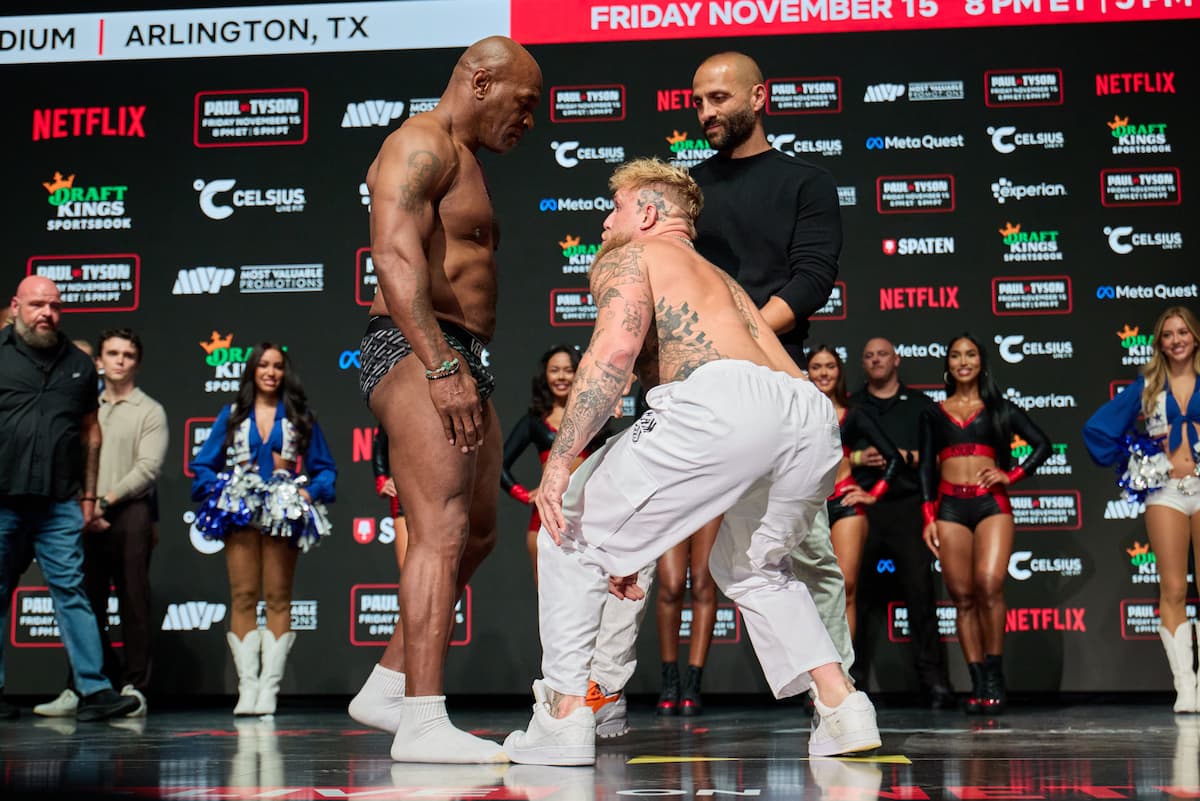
column 36, row 309
column 493, row 92
column 729, row 96
column 880, row 362
column 738, row 67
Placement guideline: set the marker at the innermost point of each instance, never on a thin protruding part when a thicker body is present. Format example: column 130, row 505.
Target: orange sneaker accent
column 596, row 698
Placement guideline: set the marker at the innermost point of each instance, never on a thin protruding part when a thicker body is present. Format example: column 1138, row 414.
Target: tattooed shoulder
column 421, row 172
column 683, row 344
column 742, row 301
column 621, row 265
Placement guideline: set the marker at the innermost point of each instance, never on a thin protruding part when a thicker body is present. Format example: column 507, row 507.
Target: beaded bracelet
column 447, row 369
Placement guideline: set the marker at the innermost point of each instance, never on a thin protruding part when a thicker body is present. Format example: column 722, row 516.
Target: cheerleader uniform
column 857, row 425
column 531, row 430
column 243, row 488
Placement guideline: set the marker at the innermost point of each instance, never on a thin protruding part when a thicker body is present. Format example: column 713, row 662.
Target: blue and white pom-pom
column 286, row 513
column 233, row 502
column 1147, row 470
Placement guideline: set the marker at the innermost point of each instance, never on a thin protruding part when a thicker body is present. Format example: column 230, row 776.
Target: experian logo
column 1048, row 401
column 1004, row 190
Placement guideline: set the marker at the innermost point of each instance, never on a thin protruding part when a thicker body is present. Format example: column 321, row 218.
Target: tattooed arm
column 407, row 181
column 620, row 283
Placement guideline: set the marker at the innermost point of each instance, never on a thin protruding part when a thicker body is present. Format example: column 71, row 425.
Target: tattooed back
column 430, row 203
column 698, row 313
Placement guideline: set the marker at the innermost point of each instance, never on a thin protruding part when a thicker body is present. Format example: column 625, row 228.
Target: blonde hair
column 1156, row 370
column 673, row 182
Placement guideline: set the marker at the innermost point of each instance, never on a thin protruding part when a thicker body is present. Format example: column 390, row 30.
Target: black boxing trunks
column 383, row 346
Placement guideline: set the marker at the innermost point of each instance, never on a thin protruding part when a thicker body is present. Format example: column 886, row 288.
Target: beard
column 737, row 129
column 34, row 338
column 613, row 242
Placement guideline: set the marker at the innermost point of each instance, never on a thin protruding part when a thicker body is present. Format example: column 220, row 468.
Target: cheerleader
column 258, row 502
column 1163, row 470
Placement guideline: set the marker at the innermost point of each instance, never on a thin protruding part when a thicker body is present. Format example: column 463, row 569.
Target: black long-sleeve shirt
column 938, row 430
column 859, row 425
column 531, row 430
column 772, row 222
column 899, row 416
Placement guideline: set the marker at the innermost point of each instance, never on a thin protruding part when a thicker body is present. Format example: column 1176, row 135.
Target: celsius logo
column 1126, row 83
column 575, row 204
column 61, row 123
column 1006, row 139
column 1014, row 348
column 884, row 93
column 1022, row 565
column 919, row 246
column 1004, row 190
column 924, row 142
column 788, row 144
column 1137, row 138
column 284, row 200
column 568, row 154
column 372, row 113
column 1122, row 240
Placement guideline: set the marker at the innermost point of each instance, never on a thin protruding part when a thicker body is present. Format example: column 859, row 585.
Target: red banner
column 565, row 21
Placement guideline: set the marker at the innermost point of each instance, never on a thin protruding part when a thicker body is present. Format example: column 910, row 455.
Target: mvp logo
column 193, row 616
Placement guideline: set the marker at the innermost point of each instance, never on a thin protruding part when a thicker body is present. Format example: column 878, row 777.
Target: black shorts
column 839, row 512
column 383, row 346
column 969, row 511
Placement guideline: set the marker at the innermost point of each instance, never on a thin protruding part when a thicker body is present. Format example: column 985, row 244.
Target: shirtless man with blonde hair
column 432, row 242
column 733, row 427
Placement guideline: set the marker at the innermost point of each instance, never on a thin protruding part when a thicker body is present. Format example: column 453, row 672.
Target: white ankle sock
column 425, row 734
column 378, row 702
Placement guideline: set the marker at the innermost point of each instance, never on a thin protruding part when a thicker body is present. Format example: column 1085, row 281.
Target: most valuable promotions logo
column 578, row 256
column 1138, row 347
column 1030, row 245
column 688, row 152
column 1137, row 138
column 85, row 208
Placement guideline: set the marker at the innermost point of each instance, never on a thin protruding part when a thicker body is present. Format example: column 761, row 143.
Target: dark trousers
column 120, row 557
column 895, row 535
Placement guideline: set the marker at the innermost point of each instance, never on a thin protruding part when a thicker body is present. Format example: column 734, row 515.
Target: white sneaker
column 551, row 741
column 612, row 715
column 838, row 779
column 847, row 728
column 140, row 712
column 64, row 706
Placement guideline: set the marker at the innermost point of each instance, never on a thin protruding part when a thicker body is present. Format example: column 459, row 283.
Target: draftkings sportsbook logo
column 228, row 362
column 1056, row 464
column 1143, row 562
column 688, row 152
column 1138, row 347
column 1137, row 138
column 85, row 208
column 577, row 255
column 1025, row 246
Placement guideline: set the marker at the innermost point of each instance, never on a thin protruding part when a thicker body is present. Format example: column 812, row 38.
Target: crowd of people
column 750, row 468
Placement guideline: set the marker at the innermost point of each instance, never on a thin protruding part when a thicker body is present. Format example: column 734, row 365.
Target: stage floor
column 1064, row 752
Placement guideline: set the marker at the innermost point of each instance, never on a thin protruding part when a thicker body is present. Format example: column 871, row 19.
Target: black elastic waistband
column 468, row 340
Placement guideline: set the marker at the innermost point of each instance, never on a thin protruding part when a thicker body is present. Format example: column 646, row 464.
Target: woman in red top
column 965, row 456
column 551, row 386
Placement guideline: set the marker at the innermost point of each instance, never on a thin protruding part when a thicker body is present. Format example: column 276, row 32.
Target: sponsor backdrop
column 1023, row 183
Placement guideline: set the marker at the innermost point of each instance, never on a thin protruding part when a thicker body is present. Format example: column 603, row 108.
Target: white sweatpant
column 734, row 438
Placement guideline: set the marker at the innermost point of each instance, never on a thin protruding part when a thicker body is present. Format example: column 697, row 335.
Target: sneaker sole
column 558, row 755
column 862, row 741
column 612, row 728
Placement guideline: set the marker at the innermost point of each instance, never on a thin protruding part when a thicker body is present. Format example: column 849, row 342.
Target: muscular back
column 700, row 313
column 431, row 215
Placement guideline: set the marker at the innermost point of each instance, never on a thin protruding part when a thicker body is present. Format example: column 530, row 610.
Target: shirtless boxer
column 732, row 426
column 432, row 242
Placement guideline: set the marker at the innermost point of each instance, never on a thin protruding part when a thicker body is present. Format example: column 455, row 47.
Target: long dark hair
column 295, row 402
column 995, row 405
column 541, row 400
column 839, row 388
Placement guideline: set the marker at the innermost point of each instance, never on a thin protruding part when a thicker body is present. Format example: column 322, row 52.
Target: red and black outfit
column 531, row 430
column 858, row 426
column 381, row 466
column 947, row 437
